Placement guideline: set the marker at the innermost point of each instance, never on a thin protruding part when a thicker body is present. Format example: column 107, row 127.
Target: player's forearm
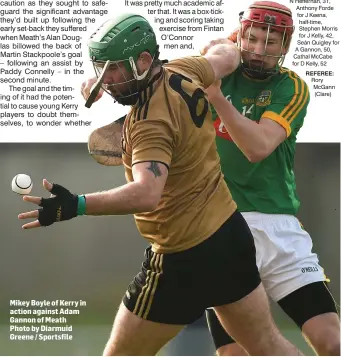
column 247, row 134
column 127, row 199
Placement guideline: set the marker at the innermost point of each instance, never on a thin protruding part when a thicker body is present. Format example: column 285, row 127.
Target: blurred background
column 95, row 258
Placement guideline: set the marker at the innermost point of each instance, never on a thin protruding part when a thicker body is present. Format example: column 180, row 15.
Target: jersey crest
column 264, row 98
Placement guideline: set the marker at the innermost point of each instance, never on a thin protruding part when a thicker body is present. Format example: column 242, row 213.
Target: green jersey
column 267, row 186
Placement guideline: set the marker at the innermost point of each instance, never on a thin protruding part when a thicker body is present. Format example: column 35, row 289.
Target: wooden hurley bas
column 105, row 143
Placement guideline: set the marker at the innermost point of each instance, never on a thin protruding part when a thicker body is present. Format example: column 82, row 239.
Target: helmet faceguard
column 270, row 16
column 127, row 91
column 116, row 46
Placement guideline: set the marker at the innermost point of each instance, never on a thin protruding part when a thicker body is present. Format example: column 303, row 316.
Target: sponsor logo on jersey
column 264, row 98
column 248, row 100
column 221, row 130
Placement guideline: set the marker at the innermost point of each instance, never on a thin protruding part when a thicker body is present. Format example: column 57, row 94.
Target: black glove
column 62, row 207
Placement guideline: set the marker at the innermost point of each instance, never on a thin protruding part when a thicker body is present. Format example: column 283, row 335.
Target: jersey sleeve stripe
column 298, row 101
column 302, row 100
column 295, row 99
column 303, row 103
column 277, row 118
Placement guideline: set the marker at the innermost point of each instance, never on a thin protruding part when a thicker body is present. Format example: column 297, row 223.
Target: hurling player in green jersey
column 258, row 111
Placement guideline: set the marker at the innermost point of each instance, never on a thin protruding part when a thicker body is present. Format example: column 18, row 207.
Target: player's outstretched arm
column 141, row 195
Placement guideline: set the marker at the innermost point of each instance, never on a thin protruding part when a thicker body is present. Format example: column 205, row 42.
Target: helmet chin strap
column 145, row 73
column 132, row 98
column 135, row 72
column 143, row 81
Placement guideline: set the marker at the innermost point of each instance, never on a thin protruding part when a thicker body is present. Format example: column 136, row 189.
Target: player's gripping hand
column 61, row 206
column 212, row 43
column 232, row 39
column 86, row 89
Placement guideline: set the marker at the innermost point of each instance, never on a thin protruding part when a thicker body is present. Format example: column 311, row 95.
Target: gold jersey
column 172, row 124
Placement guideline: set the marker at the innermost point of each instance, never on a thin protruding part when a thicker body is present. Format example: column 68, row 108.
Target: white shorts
column 284, row 253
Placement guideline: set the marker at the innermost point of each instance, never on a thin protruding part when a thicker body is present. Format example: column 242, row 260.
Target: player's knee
column 109, row 351
column 267, row 342
column 231, row 349
column 115, row 347
column 112, row 349
column 106, row 352
column 328, row 347
column 323, row 333
column 333, row 349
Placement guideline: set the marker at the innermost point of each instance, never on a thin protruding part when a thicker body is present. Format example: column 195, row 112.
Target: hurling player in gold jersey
column 201, row 251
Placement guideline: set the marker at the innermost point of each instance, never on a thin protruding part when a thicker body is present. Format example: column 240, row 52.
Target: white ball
column 22, row 184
